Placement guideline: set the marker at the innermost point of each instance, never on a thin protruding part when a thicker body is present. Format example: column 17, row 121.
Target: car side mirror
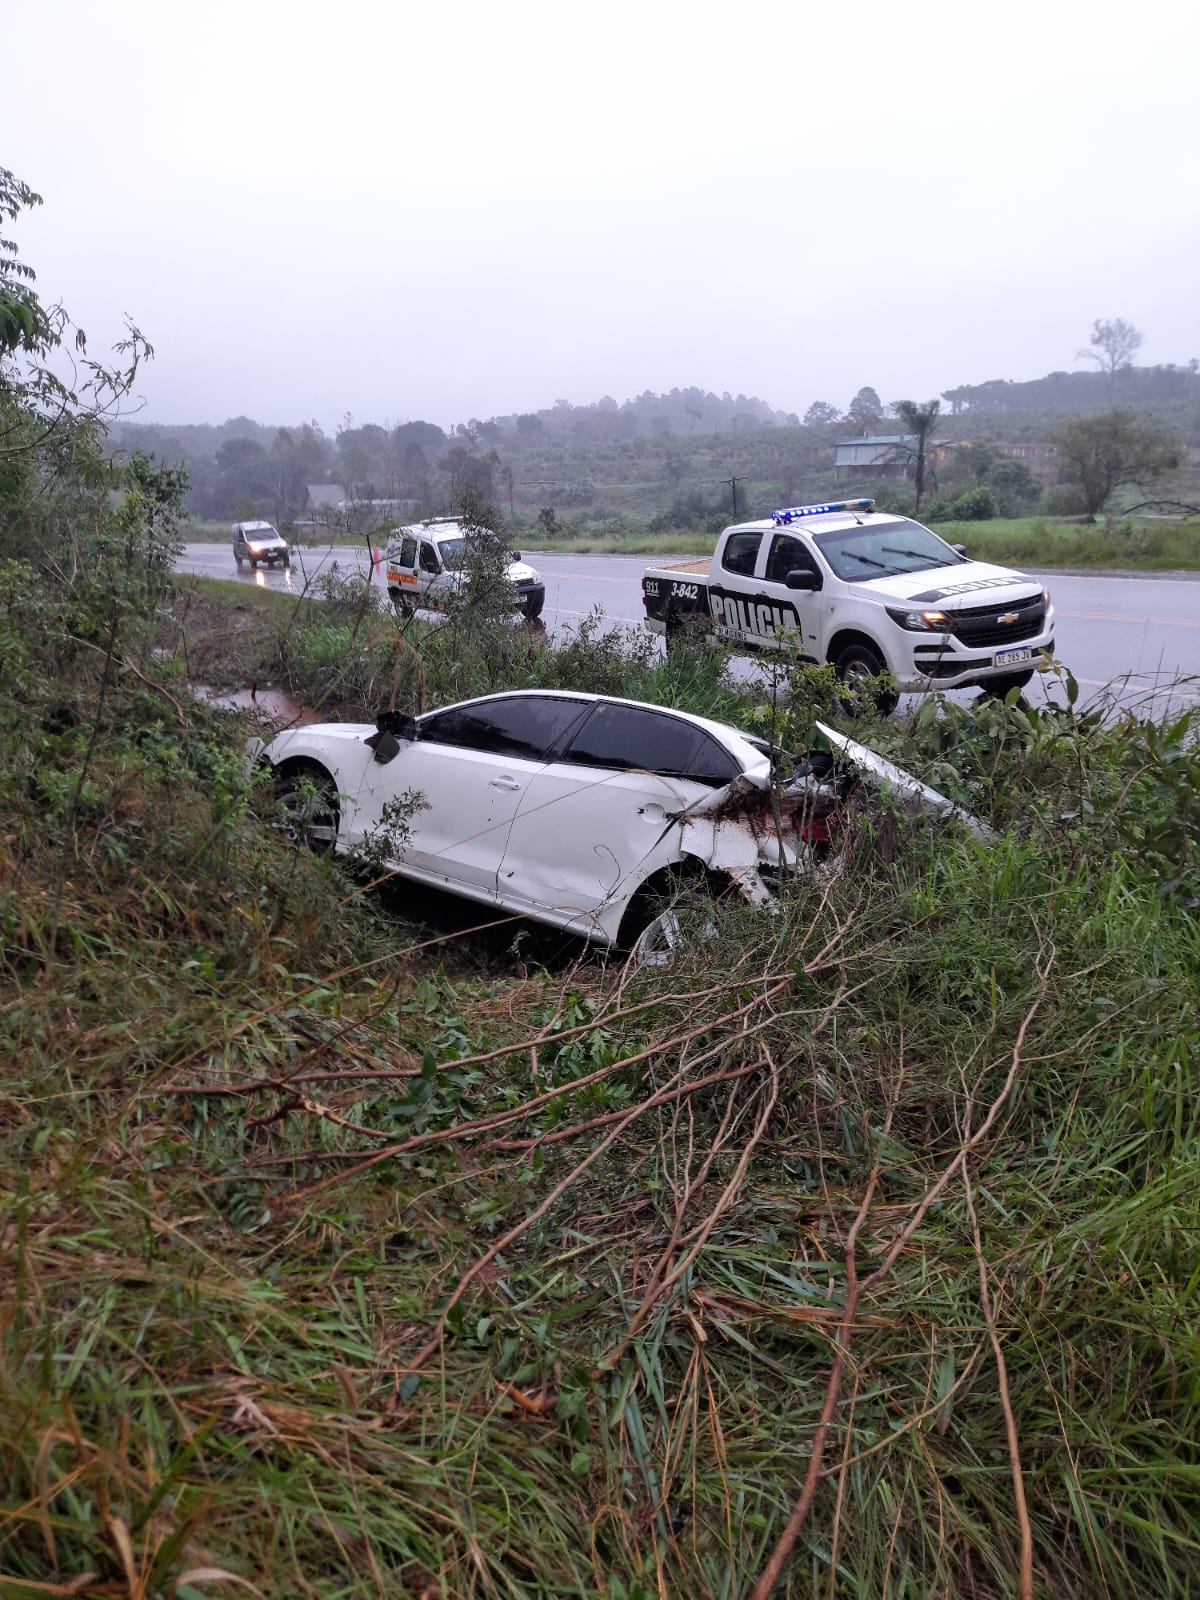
column 391, row 728
column 802, row 578
column 959, row 549
column 514, row 555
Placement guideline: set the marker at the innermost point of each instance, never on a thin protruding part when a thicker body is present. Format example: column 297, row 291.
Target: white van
column 259, row 541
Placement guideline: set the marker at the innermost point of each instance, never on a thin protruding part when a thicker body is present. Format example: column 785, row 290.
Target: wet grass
column 1113, row 544
column 347, row 1256
column 1117, row 544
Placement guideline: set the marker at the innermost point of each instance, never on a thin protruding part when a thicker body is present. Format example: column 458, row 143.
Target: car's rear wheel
column 308, row 798
column 861, row 668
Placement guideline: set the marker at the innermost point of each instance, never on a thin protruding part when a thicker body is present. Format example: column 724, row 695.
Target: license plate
column 1009, row 658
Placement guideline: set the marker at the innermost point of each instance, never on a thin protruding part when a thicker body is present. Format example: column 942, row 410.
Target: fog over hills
column 472, row 211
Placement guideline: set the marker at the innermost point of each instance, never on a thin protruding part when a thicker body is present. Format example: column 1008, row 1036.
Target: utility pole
column 508, row 475
column 733, row 483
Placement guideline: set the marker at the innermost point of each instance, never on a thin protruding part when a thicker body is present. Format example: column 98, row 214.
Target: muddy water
column 272, row 707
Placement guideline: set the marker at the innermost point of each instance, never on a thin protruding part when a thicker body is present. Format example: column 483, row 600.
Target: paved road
column 1133, row 636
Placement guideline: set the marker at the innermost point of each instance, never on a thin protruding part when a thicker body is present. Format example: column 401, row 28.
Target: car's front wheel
column 669, row 916
column 308, row 798
column 533, row 607
column 403, row 603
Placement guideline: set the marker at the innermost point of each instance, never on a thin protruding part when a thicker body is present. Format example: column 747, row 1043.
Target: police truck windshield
column 884, row 550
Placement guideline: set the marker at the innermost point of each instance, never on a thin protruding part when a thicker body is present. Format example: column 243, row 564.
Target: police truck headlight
column 920, row 621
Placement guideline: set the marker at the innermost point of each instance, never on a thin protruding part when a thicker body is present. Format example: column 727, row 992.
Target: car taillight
column 820, row 830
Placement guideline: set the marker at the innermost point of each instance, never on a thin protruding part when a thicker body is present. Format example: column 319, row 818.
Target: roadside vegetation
column 349, row 1253
column 1121, row 544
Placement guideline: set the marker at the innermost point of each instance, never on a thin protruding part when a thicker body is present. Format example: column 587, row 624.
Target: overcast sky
column 455, row 210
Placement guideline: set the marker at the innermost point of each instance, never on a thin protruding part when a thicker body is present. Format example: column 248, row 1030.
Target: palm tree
column 921, row 422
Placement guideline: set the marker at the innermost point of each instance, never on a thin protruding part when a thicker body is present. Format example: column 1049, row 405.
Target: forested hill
column 1142, row 388
column 669, row 455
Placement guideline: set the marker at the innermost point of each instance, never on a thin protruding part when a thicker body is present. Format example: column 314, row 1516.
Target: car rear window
column 741, row 553
column 629, row 738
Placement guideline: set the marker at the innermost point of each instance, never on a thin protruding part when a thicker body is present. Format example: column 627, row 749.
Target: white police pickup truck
column 869, row 592
column 425, row 568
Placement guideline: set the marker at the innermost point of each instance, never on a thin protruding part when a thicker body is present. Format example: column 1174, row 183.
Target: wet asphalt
column 1129, row 636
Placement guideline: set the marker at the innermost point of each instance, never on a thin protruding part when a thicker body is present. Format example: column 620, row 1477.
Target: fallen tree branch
column 1010, row 1423
column 855, row 1290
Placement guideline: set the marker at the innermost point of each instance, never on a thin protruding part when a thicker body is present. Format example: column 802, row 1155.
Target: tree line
column 671, row 460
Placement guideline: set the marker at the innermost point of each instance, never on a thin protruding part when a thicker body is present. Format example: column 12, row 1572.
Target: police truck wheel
column 860, row 668
column 997, row 688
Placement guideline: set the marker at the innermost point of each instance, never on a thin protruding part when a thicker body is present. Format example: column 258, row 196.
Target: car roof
column 737, row 742
column 435, row 528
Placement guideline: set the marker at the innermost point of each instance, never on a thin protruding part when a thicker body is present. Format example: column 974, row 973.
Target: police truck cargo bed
column 701, row 564
column 879, row 596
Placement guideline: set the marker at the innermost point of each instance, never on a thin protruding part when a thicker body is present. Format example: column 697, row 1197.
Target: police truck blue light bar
column 794, row 513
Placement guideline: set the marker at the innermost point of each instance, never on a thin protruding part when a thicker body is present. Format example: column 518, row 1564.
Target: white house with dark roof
column 878, row 455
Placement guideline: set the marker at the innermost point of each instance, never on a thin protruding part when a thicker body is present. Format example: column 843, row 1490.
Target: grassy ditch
column 854, row 1255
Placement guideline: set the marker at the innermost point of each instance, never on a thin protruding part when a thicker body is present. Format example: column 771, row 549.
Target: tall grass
column 343, row 1257
column 1117, row 543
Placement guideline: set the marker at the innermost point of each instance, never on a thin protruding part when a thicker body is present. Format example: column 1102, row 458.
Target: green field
column 1021, row 542
column 1115, row 545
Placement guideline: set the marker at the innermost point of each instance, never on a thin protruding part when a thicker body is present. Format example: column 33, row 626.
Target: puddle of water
column 271, row 706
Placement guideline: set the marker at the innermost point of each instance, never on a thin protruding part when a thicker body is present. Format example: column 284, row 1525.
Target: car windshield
column 884, row 550
column 452, row 551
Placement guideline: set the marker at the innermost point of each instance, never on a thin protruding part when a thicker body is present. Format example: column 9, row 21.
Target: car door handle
column 509, row 784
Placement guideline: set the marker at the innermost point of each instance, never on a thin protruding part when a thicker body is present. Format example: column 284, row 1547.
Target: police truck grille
column 981, row 625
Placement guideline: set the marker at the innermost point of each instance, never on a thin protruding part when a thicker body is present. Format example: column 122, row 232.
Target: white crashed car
column 578, row 810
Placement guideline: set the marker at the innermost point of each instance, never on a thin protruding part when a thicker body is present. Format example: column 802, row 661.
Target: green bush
column 975, row 505
column 1065, row 500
